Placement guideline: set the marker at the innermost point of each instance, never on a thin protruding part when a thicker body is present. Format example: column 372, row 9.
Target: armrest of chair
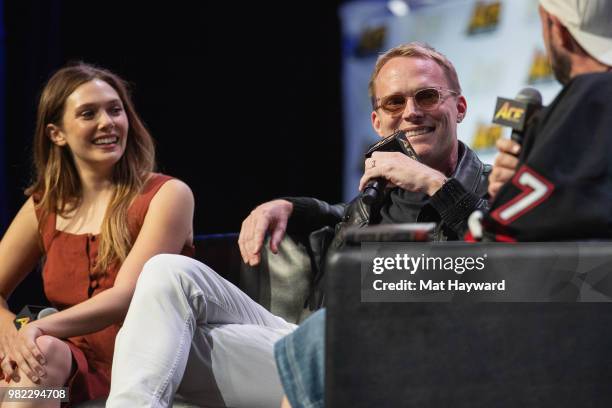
column 281, row 282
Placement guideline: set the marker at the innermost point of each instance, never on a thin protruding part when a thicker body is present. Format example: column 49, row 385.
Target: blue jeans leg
column 300, row 359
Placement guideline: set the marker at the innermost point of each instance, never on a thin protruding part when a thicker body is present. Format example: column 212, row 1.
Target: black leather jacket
column 449, row 208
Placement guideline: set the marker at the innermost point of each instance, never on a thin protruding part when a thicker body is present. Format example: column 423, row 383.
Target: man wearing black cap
column 560, row 186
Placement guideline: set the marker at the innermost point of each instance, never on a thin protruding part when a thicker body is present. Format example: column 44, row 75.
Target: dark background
column 243, row 99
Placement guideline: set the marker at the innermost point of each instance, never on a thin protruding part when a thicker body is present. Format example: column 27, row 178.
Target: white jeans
column 191, row 332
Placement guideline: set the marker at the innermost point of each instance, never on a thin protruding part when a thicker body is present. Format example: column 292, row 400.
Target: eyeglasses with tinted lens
column 425, row 99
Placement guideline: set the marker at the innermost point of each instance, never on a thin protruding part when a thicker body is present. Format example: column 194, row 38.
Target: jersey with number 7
column 562, row 189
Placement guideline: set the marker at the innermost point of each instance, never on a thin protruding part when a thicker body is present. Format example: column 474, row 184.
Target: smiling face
column 432, row 133
column 94, row 125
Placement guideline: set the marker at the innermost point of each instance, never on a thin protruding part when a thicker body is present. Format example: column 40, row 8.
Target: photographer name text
column 439, row 286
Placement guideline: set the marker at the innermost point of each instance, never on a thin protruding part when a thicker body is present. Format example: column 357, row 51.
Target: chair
column 467, row 353
column 281, row 282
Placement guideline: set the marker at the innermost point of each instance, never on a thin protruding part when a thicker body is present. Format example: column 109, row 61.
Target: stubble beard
column 561, row 64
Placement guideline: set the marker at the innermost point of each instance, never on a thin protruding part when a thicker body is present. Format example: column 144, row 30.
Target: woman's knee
column 58, row 360
column 51, row 346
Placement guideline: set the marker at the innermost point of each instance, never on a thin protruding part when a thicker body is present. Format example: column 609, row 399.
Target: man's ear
column 55, row 134
column 376, row 123
column 562, row 34
column 461, row 108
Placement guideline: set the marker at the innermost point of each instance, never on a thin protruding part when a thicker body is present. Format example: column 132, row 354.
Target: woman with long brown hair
column 96, row 213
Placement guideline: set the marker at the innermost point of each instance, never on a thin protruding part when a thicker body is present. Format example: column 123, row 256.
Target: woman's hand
column 8, row 335
column 24, row 352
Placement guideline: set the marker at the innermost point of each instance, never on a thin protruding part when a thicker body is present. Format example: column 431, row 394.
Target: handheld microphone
column 29, row 313
column 516, row 113
column 397, row 142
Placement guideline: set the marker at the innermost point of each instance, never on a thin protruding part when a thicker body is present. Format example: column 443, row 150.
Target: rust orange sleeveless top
column 69, row 278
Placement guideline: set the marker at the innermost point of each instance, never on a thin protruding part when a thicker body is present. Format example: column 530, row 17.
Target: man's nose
column 411, row 111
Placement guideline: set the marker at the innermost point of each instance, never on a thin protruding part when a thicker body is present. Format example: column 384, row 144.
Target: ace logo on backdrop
column 485, row 136
column 540, row 71
column 485, row 17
